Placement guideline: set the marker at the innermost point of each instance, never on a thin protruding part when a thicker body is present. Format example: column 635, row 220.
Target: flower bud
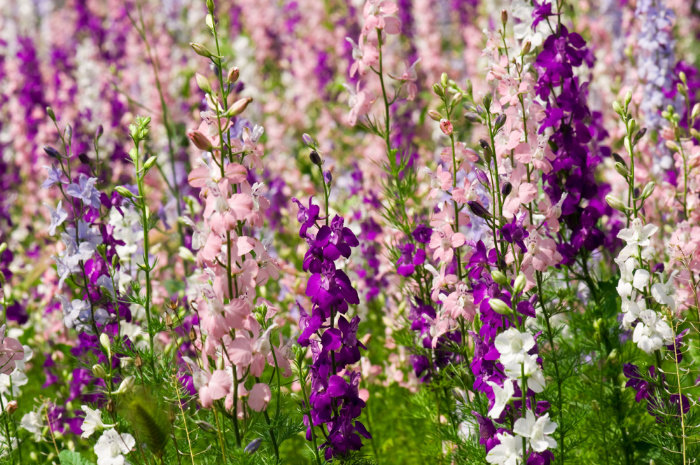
column 504, row 16
column 615, row 203
column 434, row 115
column 253, row 446
column 622, row 170
column 124, row 192
column 500, row 307
column 526, row 48
column 149, row 163
column 616, row 156
column 52, row 152
column 106, row 344
column 52, row 115
column 200, row 50
column 443, row 79
column 696, row 111
column 233, row 74
column 506, row 189
column 671, row 145
column 446, row 126
column 200, row 140
column 613, row 356
column 500, row 121
column 238, row 106
column 203, row 83
column 208, row 427
column 98, row 132
column 327, row 177
column 616, row 106
column 209, row 20
column 648, row 189
column 309, row 141
column 127, row 385
column 639, row 135
column 438, row 90
column 477, row 209
column 210, row 5
column 499, row 277
column 98, row 371
column 315, row 158
column 11, row 407
column 483, row 179
column 519, row 283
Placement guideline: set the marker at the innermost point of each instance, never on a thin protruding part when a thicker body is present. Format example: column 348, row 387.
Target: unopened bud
column 239, row 106
column 315, row 158
column 615, row 203
column 671, row 145
column 200, row 140
column 98, row 371
column 628, row 97
column 499, row 277
column 616, row 156
column 210, row 5
column 111, row 406
column 11, row 407
column 149, row 163
column 443, row 79
column 639, row 135
column 52, row 152
column 208, row 427
column 622, row 169
column 200, row 50
column 253, row 446
column 526, row 48
column 124, row 192
column 127, row 385
column 519, row 283
column 648, row 189
column 500, row 121
column 500, row 307
column 233, row 74
column 309, row 141
column 477, row 209
column 438, row 90
column 138, row 361
column 203, row 83
column 52, row 115
column 696, row 111
column 616, row 106
column 106, row 344
column 504, row 16
column 434, row 115
column 506, row 189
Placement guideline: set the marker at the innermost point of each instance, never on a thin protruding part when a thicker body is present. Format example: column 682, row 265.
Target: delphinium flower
column 87, row 265
column 648, row 302
column 497, row 279
column 334, row 403
column 234, row 337
column 656, row 58
column 570, row 125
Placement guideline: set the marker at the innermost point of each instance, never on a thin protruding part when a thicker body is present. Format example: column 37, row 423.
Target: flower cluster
column 334, row 401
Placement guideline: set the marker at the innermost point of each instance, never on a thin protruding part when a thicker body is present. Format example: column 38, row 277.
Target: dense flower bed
column 352, row 232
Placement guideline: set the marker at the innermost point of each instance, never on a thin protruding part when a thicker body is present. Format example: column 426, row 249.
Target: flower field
column 350, row 232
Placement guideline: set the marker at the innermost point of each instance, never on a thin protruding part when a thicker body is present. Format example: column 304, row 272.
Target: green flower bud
column 500, row 307
column 499, row 277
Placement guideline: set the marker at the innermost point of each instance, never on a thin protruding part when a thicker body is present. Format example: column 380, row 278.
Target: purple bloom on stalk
column 334, row 400
column 514, row 232
column 408, row 260
column 85, row 190
column 541, row 13
column 422, row 233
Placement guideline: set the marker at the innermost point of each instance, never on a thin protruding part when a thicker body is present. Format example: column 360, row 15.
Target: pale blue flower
column 58, row 216
column 85, row 190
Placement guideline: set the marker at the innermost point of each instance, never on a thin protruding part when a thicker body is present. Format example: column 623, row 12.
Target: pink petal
column 259, row 397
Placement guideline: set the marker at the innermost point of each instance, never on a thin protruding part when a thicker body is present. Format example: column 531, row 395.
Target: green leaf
column 69, row 457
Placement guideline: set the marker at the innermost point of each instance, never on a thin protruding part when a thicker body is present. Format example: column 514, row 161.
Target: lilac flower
column 422, row 233
column 408, row 260
column 85, row 190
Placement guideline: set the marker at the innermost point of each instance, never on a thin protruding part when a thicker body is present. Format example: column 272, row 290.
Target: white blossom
column 537, row 430
column 508, row 452
column 652, row 332
column 501, row 397
column 112, row 446
column 514, row 345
